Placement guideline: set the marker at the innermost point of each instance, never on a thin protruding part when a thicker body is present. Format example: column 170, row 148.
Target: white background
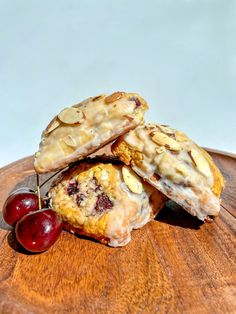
column 178, row 54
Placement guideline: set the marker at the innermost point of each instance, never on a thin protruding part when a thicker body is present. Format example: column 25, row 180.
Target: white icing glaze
column 129, row 210
column 180, row 180
column 103, row 122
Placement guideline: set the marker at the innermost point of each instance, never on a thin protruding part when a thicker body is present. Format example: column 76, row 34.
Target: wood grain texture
column 174, row 264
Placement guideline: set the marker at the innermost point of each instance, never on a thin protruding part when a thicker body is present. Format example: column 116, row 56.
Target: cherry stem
column 38, row 192
column 42, row 184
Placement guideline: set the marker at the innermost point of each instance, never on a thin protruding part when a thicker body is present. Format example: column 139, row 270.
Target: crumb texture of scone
column 79, row 130
column 105, row 201
column 175, row 165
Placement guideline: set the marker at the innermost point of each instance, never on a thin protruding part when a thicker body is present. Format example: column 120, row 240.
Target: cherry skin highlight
column 38, row 231
column 19, row 204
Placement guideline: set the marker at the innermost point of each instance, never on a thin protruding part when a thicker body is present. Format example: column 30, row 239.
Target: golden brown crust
column 67, row 226
column 123, row 150
column 219, row 181
column 157, row 201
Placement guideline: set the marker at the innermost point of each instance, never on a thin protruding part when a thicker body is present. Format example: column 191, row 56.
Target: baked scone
column 79, row 130
column 175, row 165
column 104, row 200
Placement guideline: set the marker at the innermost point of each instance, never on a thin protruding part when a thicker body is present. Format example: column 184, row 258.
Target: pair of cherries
column 36, row 229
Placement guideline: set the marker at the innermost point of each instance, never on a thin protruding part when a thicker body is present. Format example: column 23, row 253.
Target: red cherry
column 19, row 204
column 38, row 231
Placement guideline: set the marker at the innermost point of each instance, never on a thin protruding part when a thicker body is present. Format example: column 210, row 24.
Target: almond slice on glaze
column 165, row 129
column 150, row 128
column 200, row 162
column 52, row 126
column 130, row 118
column 181, row 137
column 96, row 98
column 132, row 180
column 69, row 141
column 113, row 97
column 182, row 169
column 71, row 115
column 164, row 140
column 160, row 150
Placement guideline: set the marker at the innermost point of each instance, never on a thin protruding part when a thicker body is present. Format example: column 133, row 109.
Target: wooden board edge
column 12, row 164
column 220, row 152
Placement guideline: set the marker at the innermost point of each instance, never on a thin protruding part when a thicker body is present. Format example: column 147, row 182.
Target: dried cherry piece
column 72, row 188
column 98, row 188
column 137, row 101
column 79, row 198
column 103, row 203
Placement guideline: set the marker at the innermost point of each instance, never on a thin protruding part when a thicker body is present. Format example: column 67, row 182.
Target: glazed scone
column 79, row 130
column 105, row 201
column 175, row 165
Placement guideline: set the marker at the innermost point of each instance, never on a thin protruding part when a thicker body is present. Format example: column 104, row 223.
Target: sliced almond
column 71, row 115
column 100, row 116
column 165, row 129
column 134, row 142
column 200, row 162
column 113, row 97
column 96, row 97
column 151, row 126
column 83, row 103
column 67, row 150
column 181, row 137
column 160, row 150
column 164, row 163
column 52, row 126
column 164, row 140
column 182, row 169
column 128, row 117
column 70, row 141
column 132, row 180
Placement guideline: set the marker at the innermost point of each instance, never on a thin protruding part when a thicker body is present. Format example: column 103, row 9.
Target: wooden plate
column 175, row 264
